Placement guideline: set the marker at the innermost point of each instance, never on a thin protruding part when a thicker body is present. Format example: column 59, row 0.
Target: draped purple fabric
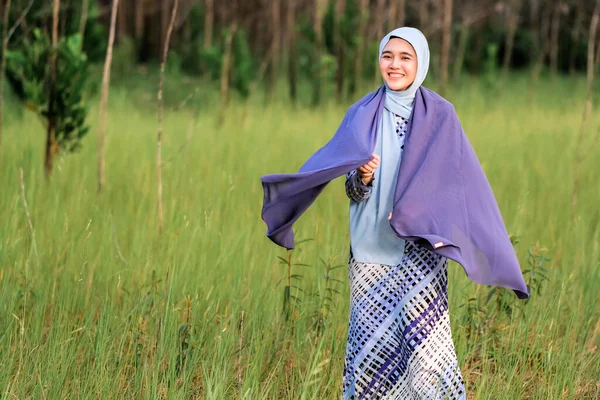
column 442, row 200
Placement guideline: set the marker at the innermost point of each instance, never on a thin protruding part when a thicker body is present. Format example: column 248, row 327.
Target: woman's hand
column 366, row 171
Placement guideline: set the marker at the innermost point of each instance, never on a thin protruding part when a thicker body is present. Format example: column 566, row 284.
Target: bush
column 29, row 74
column 124, row 58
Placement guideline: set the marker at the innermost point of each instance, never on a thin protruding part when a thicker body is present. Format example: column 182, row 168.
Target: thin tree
column 226, row 71
column 104, row 97
column 3, row 63
column 380, row 10
column 446, row 40
column 83, row 18
column 470, row 14
column 512, row 16
column 209, row 17
column 542, row 44
column 159, row 112
column 291, row 47
column 50, row 140
column 424, row 16
column 363, row 18
column 140, row 14
column 575, row 35
column 554, row 38
column 319, row 10
column 580, row 154
column 122, row 20
column 338, row 43
column 275, row 47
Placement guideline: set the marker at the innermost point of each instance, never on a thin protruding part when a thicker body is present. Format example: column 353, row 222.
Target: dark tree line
column 326, row 39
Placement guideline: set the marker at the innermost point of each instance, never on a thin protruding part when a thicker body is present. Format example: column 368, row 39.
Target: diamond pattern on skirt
column 399, row 339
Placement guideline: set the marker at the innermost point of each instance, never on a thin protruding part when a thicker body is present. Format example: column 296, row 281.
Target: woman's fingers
column 372, row 164
column 369, row 167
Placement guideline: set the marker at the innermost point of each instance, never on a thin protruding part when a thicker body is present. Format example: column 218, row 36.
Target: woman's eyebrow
column 401, row 53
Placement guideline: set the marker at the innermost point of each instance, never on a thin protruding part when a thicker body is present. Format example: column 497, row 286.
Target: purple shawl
column 442, row 199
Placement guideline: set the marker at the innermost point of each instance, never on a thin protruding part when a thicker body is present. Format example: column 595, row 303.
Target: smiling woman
column 418, row 197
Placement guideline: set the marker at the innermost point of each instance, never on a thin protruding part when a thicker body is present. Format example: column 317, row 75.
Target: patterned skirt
column 399, row 340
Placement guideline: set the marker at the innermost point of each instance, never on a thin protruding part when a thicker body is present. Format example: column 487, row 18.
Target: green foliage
column 29, row 73
column 174, row 64
column 197, row 60
column 124, row 58
column 490, row 67
column 40, row 15
column 211, row 60
column 243, row 63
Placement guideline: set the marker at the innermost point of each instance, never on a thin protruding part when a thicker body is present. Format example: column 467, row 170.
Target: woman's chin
column 397, row 87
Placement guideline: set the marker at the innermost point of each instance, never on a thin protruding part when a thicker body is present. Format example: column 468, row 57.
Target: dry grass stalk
column 29, row 223
column 159, row 112
column 240, row 347
column 104, row 97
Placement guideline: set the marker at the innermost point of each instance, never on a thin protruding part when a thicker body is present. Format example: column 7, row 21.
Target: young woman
column 418, row 198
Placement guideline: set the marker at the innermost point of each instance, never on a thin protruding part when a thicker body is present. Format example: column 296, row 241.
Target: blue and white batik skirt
column 399, row 340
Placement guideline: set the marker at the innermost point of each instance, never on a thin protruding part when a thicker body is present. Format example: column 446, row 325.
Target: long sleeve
column 356, row 190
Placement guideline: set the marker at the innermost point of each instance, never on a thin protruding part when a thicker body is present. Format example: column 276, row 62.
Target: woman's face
column 398, row 64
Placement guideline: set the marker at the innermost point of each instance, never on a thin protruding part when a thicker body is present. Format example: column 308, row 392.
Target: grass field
column 94, row 304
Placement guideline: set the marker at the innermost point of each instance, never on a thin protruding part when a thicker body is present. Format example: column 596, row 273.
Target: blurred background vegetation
column 317, row 40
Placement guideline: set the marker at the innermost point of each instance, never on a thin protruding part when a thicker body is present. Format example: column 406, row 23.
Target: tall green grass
column 108, row 309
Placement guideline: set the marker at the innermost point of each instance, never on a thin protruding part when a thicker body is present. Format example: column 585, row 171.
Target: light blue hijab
column 371, row 236
column 402, row 102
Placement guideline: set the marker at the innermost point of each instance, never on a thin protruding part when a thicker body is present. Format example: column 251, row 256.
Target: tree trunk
column 50, row 139
column 226, row 71
column 424, row 17
column 291, row 47
column 6, row 10
column 275, row 48
column 140, row 15
column 164, row 22
column 392, row 16
column 379, row 25
column 555, row 30
column 318, row 53
column 209, row 18
column 340, row 9
column 477, row 47
column 575, row 33
column 598, row 53
column 512, row 19
column 159, row 112
column 363, row 18
column 401, row 19
column 122, row 20
column 463, row 39
column 104, row 97
column 542, row 36
column 446, row 40
column 83, row 19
